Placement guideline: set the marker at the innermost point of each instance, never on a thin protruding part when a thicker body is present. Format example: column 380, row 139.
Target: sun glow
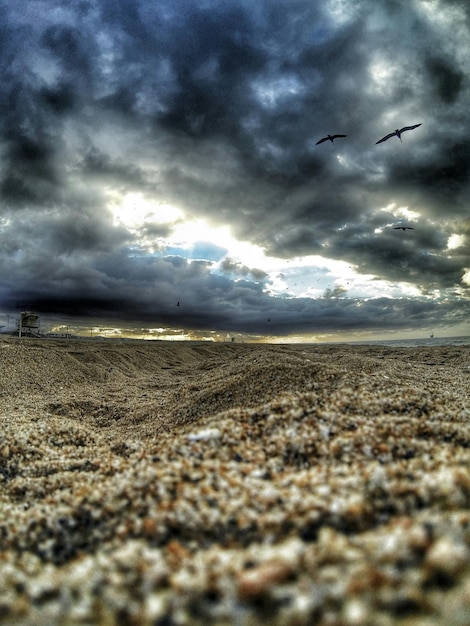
column 134, row 211
column 188, row 233
column 163, row 229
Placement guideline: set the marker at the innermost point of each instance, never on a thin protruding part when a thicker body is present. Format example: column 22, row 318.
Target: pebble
column 206, row 434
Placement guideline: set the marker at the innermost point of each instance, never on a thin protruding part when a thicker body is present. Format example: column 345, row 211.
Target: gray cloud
column 216, row 107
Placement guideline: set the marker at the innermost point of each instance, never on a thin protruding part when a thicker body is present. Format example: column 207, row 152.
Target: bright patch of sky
column 455, row 241
column 133, row 211
column 310, row 276
column 383, row 76
column 270, row 91
column 451, row 17
column 401, row 213
column 343, row 11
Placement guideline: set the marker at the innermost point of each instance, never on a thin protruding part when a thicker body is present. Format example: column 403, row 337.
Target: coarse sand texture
column 174, row 484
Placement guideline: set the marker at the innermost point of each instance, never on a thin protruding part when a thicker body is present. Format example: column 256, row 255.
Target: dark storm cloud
column 417, row 256
column 29, row 177
column 97, row 164
column 239, row 269
column 216, row 107
column 447, row 81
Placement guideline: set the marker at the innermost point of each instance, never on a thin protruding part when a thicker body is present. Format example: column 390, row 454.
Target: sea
column 416, row 343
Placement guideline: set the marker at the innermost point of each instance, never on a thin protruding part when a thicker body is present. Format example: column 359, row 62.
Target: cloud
column 214, row 108
column 239, row 269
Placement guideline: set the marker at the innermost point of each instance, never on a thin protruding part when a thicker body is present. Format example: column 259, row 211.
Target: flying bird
column 329, row 138
column 397, row 133
column 403, row 228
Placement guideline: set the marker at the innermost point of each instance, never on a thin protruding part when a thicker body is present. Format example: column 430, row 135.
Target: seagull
column 397, row 133
column 403, row 228
column 329, row 138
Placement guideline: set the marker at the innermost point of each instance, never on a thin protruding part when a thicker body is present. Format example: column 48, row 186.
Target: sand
column 198, row 483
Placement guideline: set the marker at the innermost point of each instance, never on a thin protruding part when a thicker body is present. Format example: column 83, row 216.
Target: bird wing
column 409, row 127
column 329, row 137
column 385, row 138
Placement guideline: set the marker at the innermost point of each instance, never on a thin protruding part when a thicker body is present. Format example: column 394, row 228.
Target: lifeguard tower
column 28, row 325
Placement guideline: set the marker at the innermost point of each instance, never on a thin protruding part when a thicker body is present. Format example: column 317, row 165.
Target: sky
column 160, row 175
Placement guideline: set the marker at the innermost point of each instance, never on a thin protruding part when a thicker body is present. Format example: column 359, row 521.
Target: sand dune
column 195, row 483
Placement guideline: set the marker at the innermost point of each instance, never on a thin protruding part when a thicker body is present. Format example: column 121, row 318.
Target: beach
column 174, row 483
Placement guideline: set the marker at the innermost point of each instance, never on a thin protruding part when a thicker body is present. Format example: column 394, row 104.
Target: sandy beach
column 168, row 484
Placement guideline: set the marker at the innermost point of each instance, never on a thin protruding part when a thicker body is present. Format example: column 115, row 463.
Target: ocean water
column 417, row 343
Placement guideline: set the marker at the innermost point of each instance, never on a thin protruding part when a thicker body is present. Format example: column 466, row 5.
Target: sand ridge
column 153, row 483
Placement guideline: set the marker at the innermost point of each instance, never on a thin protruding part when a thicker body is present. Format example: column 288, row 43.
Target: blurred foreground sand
column 199, row 483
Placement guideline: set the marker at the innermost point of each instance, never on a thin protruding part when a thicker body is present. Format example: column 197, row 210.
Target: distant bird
column 397, row 133
column 329, row 138
column 403, row 228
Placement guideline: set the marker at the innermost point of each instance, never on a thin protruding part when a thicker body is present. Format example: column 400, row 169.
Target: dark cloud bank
column 215, row 107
